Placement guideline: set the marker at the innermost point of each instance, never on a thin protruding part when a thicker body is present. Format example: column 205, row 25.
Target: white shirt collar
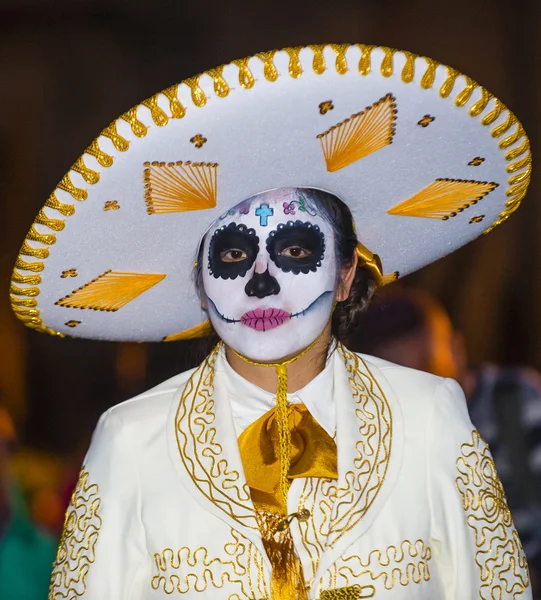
column 249, row 402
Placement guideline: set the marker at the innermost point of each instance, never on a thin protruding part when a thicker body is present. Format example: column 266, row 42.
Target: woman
column 284, row 466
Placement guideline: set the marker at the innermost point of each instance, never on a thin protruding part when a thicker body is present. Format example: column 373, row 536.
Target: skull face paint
column 270, row 275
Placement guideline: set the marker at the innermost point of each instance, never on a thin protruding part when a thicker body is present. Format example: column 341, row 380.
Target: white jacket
column 162, row 508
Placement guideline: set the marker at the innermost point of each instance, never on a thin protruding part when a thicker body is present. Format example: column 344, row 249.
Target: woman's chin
column 271, row 346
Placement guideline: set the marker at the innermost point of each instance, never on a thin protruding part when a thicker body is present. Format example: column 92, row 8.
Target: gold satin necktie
column 313, row 454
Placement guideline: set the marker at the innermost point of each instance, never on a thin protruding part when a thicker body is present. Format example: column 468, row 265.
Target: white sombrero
column 426, row 159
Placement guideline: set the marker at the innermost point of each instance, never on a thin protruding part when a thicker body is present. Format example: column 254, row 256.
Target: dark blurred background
column 68, row 67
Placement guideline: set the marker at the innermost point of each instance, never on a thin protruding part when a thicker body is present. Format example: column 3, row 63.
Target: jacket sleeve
column 478, row 553
column 102, row 549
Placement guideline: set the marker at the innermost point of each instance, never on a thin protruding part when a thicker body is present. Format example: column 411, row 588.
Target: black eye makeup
column 296, row 247
column 232, row 251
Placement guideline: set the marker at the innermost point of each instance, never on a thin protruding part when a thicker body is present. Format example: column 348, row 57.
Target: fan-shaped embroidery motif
column 443, row 198
column 111, row 290
column 362, row 134
column 179, row 186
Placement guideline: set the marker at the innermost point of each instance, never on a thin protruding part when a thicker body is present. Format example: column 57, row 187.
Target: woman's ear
column 347, row 275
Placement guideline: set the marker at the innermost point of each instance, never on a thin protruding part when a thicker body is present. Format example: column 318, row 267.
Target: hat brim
column 425, row 158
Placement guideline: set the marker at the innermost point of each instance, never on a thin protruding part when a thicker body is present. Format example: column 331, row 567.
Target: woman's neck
column 299, row 373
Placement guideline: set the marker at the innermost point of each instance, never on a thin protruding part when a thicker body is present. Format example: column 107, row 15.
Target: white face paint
column 270, row 275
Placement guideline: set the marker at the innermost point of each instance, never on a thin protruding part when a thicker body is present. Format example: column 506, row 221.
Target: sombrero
column 425, row 158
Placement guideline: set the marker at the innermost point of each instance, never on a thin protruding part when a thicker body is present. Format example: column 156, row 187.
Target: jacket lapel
column 369, row 431
column 370, row 439
column 203, row 447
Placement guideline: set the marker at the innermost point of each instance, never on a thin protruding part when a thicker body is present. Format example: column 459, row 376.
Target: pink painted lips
column 263, row 319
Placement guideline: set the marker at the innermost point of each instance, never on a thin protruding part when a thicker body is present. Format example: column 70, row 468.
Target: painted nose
column 262, row 285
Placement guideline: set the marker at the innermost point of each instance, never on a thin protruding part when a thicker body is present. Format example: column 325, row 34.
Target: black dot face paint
column 232, row 251
column 296, row 247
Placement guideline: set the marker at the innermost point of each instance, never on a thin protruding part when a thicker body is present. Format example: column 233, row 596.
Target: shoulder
column 424, row 398
column 411, row 384
column 133, row 422
column 153, row 403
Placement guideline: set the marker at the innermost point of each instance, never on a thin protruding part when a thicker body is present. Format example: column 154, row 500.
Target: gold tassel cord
column 287, row 574
column 283, row 430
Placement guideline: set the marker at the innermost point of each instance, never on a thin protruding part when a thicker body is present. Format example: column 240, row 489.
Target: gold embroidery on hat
column 67, row 186
column 72, row 323
column 29, row 291
column 429, row 77
column 198, row 96
column 30, row 317
column 325, row 107
column 198, row 140
column 25, row 308
column 443, row 198
column 89, row 175
column 23, row 301
column 36, row 267
column 180, row 186
column 466, row 93
column 69, row 273
column 22, row 313
column 17, row 277
column 520, row 164
column 28, row 250
column 477, row 219
column 478, row 107
column 365, row 65
column 175, row 106
column 138, row 128
column 502, row 128
column 476, row 162
column 221, row 89
column 110, row 291
column 295, row 67
column 119, row 142
column 362, row 134
column 158, row 115
column 246, row 79
column 102, row 157
column 426, row 120
column 269, row 69
column 111, row 205
column 489, row 110
column 43, row 238
column 54, row 224
column 497, row 110
column 408, row 72
column 519, row 182
column 387, row 65
column 201, row 330
column 318, row 63
column 448, row 85
column 341, row 64
column 65, row 209
column 518, row 151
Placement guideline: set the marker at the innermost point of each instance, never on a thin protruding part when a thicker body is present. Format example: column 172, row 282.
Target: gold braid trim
column 500, row 558
column 77, row 548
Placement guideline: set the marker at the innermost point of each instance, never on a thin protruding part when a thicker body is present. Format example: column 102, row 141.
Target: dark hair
column 393, row 316
column 347, row 314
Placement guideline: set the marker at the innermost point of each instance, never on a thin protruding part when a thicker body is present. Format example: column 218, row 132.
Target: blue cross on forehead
column 264, row 212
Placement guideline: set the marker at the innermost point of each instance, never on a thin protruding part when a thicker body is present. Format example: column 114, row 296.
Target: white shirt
column 249, row 402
